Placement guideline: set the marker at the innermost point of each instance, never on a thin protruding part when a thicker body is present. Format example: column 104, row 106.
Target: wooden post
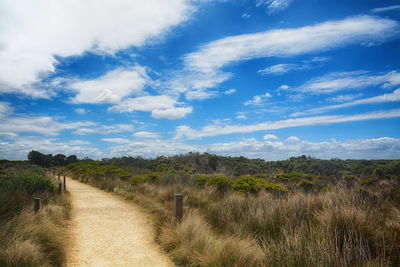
column 60, row 189
column 65, row 184
column 178, row 207
column 37, row 204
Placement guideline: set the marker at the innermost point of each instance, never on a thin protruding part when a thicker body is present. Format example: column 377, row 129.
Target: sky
column 268, row 79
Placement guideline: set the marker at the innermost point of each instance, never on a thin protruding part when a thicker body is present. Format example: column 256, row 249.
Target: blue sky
column 264, row 79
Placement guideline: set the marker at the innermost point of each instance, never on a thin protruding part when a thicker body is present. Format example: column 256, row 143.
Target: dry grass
column 193, row 242
column 30, row 239
column 339, row 227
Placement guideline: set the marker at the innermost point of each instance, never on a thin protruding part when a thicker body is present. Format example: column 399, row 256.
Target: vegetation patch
column 28, row 238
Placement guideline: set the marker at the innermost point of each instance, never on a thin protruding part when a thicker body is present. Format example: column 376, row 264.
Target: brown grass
column 30, row 239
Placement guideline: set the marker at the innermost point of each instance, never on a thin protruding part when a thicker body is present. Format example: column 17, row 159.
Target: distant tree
column 71, row 159
column 59, row 160
column 35, row 157
column 48, row 162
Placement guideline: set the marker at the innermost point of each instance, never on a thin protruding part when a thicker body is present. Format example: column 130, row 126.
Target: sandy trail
column 110, row 232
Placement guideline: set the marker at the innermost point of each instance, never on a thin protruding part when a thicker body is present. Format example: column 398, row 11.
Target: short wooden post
column 37, row 204
column 65, row 184
column 60, row 189
column 178, row 207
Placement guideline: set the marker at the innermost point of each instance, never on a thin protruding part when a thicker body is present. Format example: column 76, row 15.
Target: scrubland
column 281, row 217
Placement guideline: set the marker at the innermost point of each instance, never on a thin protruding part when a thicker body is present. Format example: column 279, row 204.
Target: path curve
column 107, row 231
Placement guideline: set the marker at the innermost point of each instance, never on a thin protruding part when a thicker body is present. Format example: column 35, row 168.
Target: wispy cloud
column 384, row 9
column 280, row 69
column 274, row 6
column 344, row 98
column 45, row 125
column 291, row 42
column 338, row 81
column 104, row 129
column 385, row 98
column 116, row 140
column 202, row 69
column 187, row 132
column 80, row 111
column 145, row 134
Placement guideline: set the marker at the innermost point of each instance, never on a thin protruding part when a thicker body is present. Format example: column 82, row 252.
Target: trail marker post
column 178, row 207
column 37, row 205
column 60, row 189
column 65, row 184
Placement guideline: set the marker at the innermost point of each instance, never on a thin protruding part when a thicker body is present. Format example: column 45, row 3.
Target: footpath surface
column 107, row 231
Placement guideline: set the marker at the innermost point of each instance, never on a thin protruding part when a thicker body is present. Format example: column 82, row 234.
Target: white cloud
column 171, row 113
column 161, row 106
column 270, row 137
column 104, row 129
column 5, row 109
column 274, row 6
column 144, row 134
column 279, row 69
column 200, row 94
column 283, row 87
column 293, row 139
column 375, row 148
column 344, row 98
column 246, row 15
column 45, row 125
column 184, row 131
column 145, row 103
column 290, row 42
column 80, row 111
column 384, row 9
column 337, row 81
column 230, row 91
column 33, row 33
column 8, row 135
column 385, row 98
column 258, row 99
column 203, row 68
column 116, row 140
column 111, row 87
column 151, row 148
column 78, row 142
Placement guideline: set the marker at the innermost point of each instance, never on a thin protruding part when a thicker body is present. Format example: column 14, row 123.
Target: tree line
column 48, row 160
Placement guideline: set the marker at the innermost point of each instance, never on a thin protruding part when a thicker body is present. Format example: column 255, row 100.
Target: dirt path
column 109, row 232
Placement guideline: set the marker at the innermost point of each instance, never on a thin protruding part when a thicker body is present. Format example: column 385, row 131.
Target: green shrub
column 306, row 184
column 220, row 182
column 250, row 184
column 138, row 179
